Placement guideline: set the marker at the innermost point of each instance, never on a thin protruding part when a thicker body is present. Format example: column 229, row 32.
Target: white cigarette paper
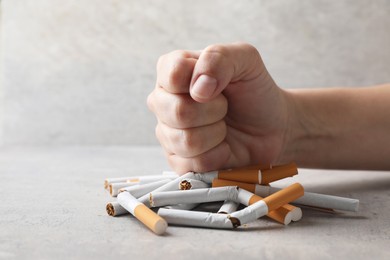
column 214, row 220
column 315, row 199
column 195, row 218
column 158, row 199
column 114, row 209
column 142, row 189
column 145, row 179
column 191, row 184
column 170, row 186
column 150, row 219
column 244, row 216
column 228, row 207
column 115, row 187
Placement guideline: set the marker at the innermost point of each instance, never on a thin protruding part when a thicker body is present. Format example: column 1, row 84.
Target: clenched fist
column 218, row 108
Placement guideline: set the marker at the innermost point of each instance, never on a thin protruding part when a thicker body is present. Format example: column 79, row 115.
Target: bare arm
column 347, row 128
column 220, row 108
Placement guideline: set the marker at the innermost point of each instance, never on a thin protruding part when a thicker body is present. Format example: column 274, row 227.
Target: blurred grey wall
column 79, row 71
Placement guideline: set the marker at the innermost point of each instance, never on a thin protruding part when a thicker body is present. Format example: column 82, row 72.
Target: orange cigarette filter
column 260, row 166
column 284, row 196
column 242, row 175
column 246, row 186
column 280, row 214
column 252, row 174
column 278, row 173
column 150, row 219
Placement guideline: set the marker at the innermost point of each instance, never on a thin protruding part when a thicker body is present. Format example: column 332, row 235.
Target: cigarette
column 235, row 219
column 142, row 189
column 260, row 166
column 228, row 206
column 150, row 219
column 266, row 205
column 144, row 179
column 318, row 200
column 114, row 209
column 195, row 218
column 284, row 215
column 191, row 184
column 251, row 175
column 114, row 188
column 159, row 199
column 308, row 199
column 170, row 186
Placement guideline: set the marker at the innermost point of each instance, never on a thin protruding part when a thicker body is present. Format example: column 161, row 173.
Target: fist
column 211, row 108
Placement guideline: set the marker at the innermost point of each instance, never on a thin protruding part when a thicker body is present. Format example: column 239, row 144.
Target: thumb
column 219, row 65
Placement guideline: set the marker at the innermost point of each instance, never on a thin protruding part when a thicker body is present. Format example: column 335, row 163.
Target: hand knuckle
column 188, row 140
column 183, row 114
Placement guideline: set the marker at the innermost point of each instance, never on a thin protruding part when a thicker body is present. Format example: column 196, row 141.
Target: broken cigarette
column 228, row 206
column 142, row 189
column 235, row 219
column 170, row 186
column 191, row 184
column 251, row 175
column 114, row 209
column 308, row 199
column 150, row 219
column 159, row 199
column 114, row 188
column 144, row 179
column 284, row 215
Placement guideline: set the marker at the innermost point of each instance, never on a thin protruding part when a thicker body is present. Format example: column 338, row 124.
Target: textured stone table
column 53, row 207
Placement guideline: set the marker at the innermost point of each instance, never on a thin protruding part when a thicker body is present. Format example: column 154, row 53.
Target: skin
column 220, row 108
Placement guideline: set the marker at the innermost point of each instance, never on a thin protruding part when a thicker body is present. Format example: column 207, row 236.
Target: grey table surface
column 53, row 207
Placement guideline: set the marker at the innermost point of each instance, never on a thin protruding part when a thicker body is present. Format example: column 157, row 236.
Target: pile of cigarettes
column 173, row 197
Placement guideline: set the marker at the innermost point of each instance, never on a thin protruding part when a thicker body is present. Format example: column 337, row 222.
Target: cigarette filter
column 158, row 199
column 142, row 189
column 260, row 166
column 150, row 219
column 228, row 207
column 251, row 175
column 114, row 209
column 308, row 199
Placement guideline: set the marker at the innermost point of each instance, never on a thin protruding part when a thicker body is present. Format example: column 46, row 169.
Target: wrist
column 305, row 132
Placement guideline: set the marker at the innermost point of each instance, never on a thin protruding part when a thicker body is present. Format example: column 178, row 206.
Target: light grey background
column 79, row 71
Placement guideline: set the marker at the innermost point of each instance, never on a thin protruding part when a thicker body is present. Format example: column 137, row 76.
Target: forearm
column 342, row 128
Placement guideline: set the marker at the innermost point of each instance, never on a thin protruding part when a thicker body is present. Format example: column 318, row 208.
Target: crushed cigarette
column 178, row 195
